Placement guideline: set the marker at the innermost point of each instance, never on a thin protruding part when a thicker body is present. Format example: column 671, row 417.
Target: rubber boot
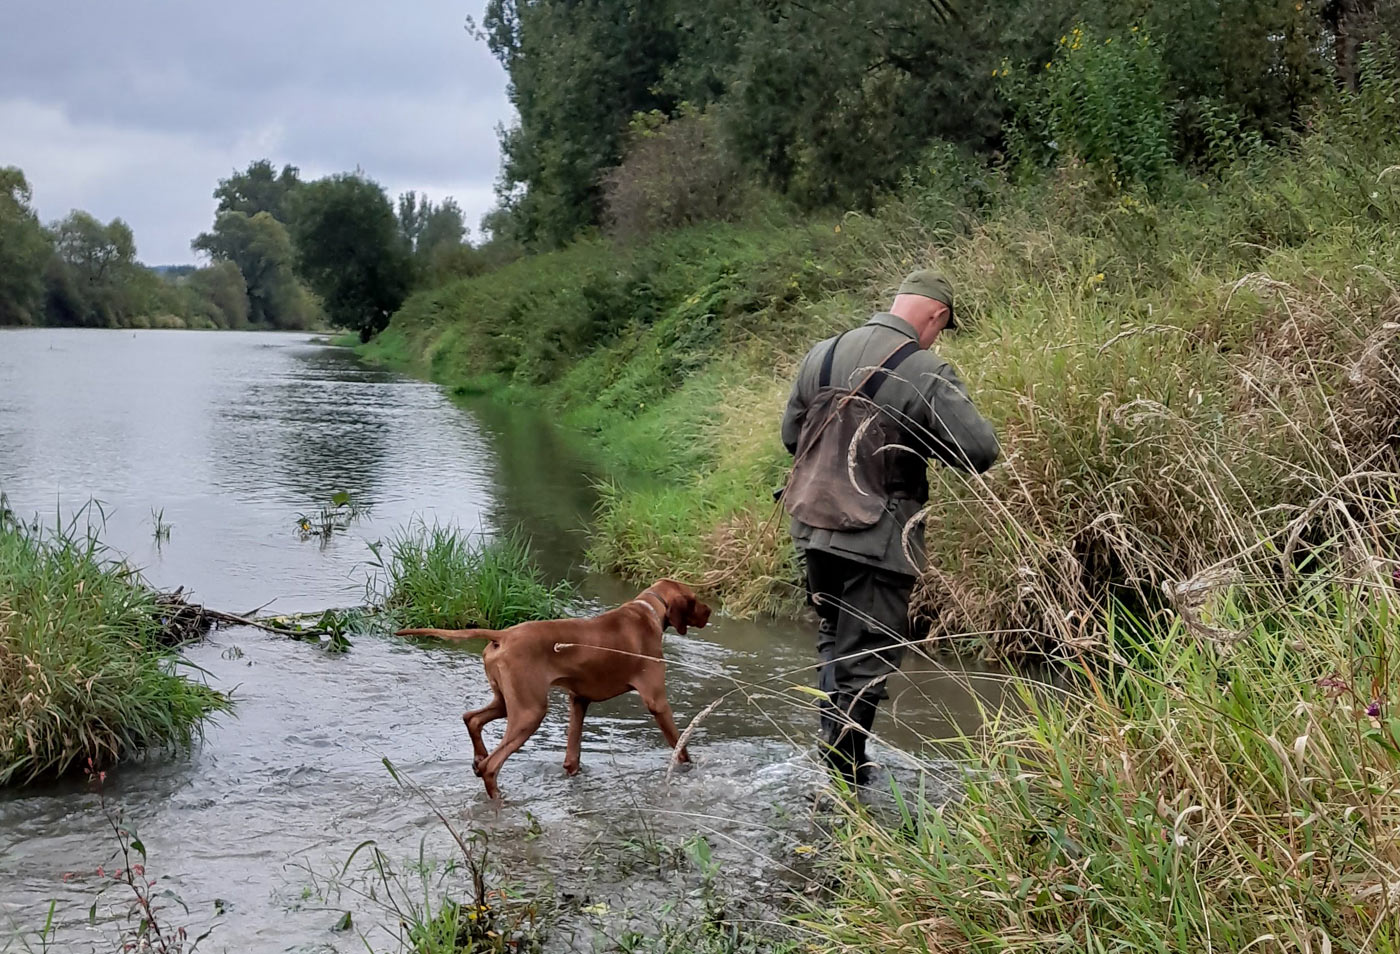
column 863, row 715
column 838, row 743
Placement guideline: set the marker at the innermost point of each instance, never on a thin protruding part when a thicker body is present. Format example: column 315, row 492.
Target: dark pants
column 864, row 615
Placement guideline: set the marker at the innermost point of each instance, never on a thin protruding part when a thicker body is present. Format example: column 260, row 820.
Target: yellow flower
column 838, row 228
column 1047, row 66
column 1135, row 29
column 1062, row 40
column 1098, row 278
column 1108, row 41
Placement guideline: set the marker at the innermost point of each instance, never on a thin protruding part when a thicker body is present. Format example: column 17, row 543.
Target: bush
column 674, row 172
column 443, row 578
column 83, row 675
column 1097, row 101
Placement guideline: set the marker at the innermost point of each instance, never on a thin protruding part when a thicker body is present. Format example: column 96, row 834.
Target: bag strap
column 876, row 377
column 872, row 383
column 824, row 379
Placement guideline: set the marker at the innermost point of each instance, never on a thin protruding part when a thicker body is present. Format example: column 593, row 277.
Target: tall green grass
column 1198, row 795
column 83, row 673
column 439, row 576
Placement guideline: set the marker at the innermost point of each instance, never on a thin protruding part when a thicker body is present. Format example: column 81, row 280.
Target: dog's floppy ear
column 678, row 612
column 699, row 614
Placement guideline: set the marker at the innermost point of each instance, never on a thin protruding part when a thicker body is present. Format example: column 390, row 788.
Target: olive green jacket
column 931, row 402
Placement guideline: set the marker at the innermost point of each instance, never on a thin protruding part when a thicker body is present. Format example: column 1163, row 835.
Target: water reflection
column 543, row 484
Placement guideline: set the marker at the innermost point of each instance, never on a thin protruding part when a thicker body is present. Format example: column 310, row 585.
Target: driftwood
column 183, row 622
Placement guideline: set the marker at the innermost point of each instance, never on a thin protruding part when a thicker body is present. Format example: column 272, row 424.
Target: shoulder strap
column 872, row 383
column 824, row 380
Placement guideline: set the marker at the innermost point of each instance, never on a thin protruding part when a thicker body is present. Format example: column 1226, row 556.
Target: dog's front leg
column 578, row 707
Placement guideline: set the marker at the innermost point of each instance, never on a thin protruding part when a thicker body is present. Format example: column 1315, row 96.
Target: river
column 228, row 437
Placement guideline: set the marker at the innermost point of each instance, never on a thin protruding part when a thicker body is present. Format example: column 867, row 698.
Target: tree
column 259, row 188
column 413, row 216
column 25, row 249
column 434, row 235
column 261, row 248
column 350, row 251
column 443, row 227
column 613, row 55
column 222, row 294
column 91, row 280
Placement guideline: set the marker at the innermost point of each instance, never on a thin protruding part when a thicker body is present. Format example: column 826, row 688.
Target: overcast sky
column 135, row 108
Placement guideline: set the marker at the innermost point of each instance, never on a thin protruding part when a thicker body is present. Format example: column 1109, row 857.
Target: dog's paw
column 571, row 770
column 476, row 766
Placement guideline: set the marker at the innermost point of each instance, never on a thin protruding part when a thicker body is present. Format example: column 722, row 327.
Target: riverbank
column 1198, row 398
column 1175, row 382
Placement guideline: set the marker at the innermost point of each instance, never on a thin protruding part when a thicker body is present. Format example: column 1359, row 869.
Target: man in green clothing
column 861, row 565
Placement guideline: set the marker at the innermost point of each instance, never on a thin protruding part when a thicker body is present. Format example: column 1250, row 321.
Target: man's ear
column 678, row 612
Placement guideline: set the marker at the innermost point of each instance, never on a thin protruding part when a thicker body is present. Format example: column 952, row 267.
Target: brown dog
column 591, row 659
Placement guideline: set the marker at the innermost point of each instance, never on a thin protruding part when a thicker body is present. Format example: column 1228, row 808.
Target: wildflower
column 1374, row 709
column 1062, row 40
column 1135, row 29
column 838, row 228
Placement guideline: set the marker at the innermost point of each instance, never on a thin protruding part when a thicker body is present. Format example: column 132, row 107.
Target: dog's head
column 683, row 610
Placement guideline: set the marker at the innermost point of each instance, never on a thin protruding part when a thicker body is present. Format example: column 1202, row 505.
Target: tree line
column 831, row 102
column 283, row 254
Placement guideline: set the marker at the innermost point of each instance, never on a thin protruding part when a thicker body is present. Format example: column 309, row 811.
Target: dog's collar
column 659, row 614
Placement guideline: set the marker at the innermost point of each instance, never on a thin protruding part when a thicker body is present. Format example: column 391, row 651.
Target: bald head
column 925, row 315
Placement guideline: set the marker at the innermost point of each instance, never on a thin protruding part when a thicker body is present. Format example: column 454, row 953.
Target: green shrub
column 83, row 675
column 1098, row 101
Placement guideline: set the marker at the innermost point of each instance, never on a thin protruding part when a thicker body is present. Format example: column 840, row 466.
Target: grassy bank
column 1175, row 381
column 83, row 672
column 1230, row 789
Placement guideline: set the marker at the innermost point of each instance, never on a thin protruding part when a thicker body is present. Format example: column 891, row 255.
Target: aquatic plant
column 436, row 907
column 84, row 674
column 441, row 576
column 160, row 529
column 339, row 514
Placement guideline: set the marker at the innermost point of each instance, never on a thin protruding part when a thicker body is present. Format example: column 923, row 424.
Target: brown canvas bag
column 839, row 473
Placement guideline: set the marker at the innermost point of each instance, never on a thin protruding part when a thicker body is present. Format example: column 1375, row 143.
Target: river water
column 228, row 437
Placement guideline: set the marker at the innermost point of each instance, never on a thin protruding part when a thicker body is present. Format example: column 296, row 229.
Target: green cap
column 930, row 283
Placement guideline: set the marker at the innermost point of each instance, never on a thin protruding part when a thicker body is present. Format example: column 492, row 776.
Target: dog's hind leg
column 525, row 712
column 476, row 720
column 578, row 707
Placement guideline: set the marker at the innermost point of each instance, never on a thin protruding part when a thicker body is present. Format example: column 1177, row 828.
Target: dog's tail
column 456, row 635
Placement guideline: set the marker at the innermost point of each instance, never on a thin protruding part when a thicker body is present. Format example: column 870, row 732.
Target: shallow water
column 232, row 435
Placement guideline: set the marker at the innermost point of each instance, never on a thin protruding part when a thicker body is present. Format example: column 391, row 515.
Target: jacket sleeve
column 956, row 433
column 796, row 411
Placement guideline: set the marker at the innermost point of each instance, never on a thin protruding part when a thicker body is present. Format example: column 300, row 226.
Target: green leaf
column 344, row 924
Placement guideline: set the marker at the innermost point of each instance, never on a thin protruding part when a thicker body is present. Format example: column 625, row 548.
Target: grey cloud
column 136, row 109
